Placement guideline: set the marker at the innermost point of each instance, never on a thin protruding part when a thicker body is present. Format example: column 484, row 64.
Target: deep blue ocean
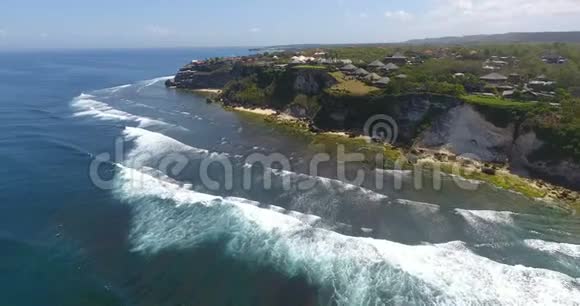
column 153, row 234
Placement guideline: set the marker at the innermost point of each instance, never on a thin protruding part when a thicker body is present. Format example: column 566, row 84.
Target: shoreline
column 550, row 194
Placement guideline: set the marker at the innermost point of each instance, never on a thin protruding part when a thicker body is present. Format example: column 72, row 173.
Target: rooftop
column 494, row 77
column 376, row 63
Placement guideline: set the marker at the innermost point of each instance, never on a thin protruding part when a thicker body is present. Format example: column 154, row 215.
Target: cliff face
column 200, row 80
column 311, row 82
column 523, row 158
column 462, row 130
column 411, row 112
column 423, row 120
column 445, row 123
column 207, row 75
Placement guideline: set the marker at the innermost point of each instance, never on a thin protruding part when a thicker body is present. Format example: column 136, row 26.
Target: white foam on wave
column 148, row 83
column 86, row 106
column 118, row 88
column 427, row 206
column 153, row 143
column 362, row 271
column 571, row 250
column 148, row 143
column 329, row 183
column 143, row 184
column 489, row 216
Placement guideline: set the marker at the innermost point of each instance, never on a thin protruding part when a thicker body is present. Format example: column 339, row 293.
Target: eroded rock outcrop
column 526, row 160
column 312, row 82
column 464, row 131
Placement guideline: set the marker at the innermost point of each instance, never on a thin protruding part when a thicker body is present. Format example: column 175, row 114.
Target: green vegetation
column 246, row 91
column 503, row 112
column 561, row 131
column 502, row 180
column 358, row 54
column 313, row 67
column 349, row 86
column 309, row 103
column 432, row 73
column 504, row 104
column 438, row 64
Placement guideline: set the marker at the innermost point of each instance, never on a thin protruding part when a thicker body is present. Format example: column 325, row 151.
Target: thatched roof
column 383, row 81
column 361, row 71
column 494, row 77
column 349, row 67
column 373, row 77
column 390, row 66
column 376, row 63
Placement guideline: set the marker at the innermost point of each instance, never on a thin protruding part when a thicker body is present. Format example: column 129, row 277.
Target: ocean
column 117, row 191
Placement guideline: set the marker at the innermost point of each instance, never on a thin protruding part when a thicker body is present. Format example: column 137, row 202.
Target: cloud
column 255, row 30
column 504, row 10
column 158, row 30
column 399, row 15
column 468, row 17
column 363, row 15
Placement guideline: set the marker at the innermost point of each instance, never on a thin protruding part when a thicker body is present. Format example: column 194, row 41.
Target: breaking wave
column 566, row 249
column 87, row 106
column 357, row 271
column 168, row 214
column 152, row 82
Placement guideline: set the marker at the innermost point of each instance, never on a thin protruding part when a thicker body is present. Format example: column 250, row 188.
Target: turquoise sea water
column 158, row 236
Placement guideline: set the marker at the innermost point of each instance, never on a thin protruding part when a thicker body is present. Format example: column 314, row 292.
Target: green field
column 351, row 87
column 499, row 103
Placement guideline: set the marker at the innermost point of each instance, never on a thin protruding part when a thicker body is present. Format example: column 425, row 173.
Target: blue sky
column 173, row 23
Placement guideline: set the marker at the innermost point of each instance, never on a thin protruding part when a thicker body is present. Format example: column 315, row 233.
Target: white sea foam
column 571, row 250
column 117, row 88
column 148, row 143
column 427, row 206
column 87, row 106
column 156, row 143
column 145, row 84
column 488, row 216
column 362, row 271
column 335, row 184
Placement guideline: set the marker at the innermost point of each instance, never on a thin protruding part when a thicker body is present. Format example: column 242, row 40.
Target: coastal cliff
column 439, row 123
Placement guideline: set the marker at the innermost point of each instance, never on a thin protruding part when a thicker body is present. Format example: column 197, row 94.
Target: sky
column 38, row 24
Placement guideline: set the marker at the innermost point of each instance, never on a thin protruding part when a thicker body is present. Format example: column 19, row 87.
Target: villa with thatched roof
column 494, row 78
column 383, row 82
column 361, row 72
column 349, row 68
column 389, row 67
column 376, row 64
column 372, row 77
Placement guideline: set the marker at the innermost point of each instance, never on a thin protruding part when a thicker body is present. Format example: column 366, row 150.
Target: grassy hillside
column 350, row 86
